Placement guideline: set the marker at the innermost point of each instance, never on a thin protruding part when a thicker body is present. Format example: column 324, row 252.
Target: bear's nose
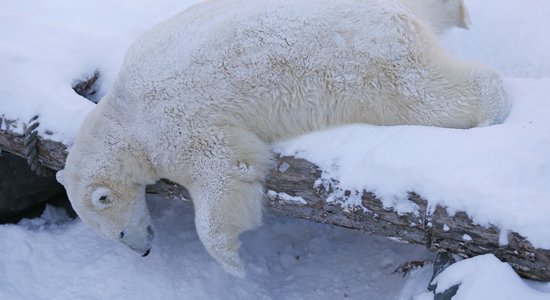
column 121, row 235
column 146, row 252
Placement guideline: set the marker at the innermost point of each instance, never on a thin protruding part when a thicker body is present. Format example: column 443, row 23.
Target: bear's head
column 103, row 187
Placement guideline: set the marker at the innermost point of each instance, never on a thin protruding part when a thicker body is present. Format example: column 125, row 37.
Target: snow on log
column 292, row 191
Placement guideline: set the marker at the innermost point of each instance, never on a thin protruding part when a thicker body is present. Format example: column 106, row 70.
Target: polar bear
column 200, row 98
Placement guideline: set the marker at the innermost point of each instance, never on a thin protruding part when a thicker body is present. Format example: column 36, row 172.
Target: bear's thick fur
column 200, row 98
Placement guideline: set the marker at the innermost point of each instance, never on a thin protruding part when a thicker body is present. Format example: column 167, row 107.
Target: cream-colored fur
column 200, row 98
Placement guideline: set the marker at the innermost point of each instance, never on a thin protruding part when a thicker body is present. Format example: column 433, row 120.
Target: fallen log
column 293, row 190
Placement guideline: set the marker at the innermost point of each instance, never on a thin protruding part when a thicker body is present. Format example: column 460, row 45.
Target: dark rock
column 88, row 88
column 441, row 262
column 21, row 190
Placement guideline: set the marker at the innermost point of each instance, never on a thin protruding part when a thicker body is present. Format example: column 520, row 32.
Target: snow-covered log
column 51, row 154
column 293, row 190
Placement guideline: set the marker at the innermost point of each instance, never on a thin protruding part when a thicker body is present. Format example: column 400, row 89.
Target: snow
column 286, row 197
column 510, row 36
column 283, row 167
column 503, row 237
column 486, row 277
column 497, row 174
column 49, row 45
column 61, row 258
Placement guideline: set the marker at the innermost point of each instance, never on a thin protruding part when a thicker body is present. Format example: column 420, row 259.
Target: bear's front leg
column 222, row 215
column 227, row 191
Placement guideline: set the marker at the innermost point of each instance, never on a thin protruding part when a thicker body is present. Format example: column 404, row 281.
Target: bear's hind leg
column 227, row 190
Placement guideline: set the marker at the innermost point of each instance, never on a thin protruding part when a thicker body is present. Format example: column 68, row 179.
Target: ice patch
column 294, row 200
column 503, row 237
column 283, row 167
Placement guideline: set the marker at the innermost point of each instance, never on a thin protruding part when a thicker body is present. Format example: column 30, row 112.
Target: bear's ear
column 464, row 16
column 59, row 177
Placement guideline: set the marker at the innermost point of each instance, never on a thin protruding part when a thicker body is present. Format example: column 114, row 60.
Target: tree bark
column 292, row 191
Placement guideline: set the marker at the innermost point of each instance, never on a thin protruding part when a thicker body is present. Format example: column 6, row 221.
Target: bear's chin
column 142, row 251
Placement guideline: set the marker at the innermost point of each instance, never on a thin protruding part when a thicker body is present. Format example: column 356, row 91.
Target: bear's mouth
column 137, row 242
column 143, row 251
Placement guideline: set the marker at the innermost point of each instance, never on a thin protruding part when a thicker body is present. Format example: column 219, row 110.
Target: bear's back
column 201, row 45
column 272, row 58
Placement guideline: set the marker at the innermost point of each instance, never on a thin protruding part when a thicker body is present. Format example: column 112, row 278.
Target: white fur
column 202, row 95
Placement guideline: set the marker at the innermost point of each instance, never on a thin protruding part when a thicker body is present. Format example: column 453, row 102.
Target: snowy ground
column 498, row 174
column 57, row 258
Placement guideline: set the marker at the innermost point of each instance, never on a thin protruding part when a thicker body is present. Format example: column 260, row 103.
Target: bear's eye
column 103, row 199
